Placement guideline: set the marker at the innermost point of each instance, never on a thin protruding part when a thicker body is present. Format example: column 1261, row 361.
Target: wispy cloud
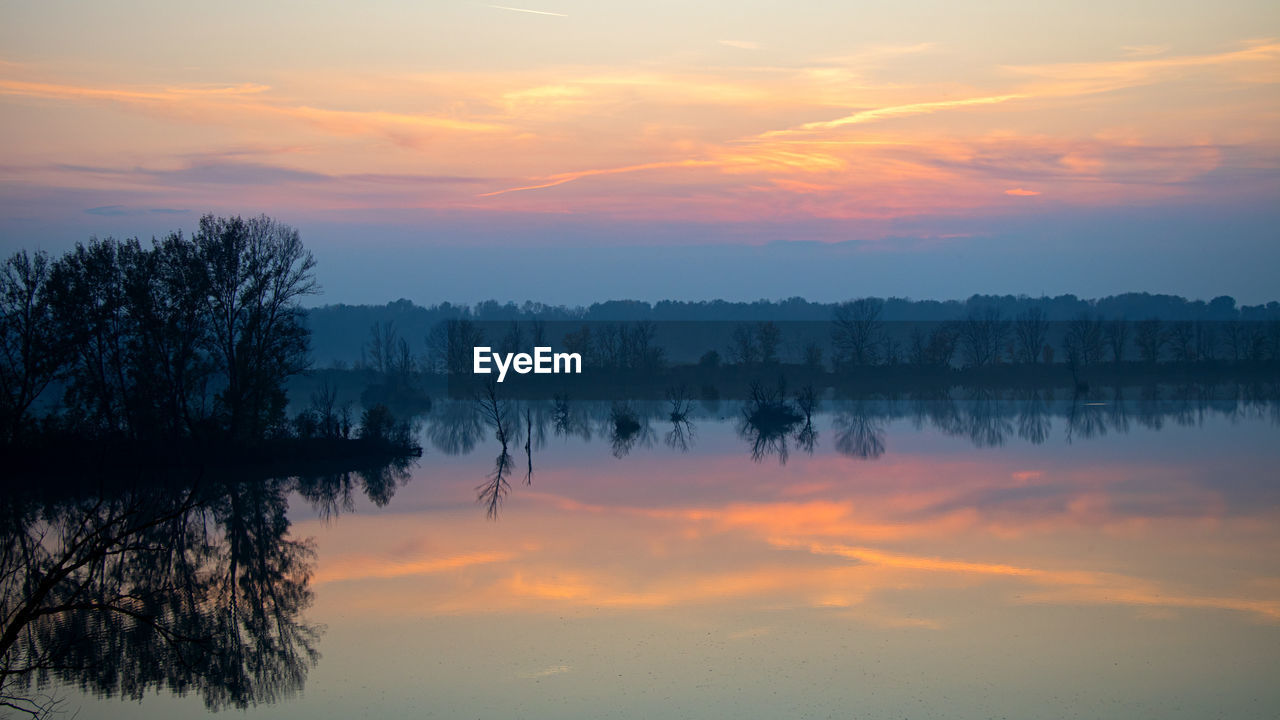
column 108, row 210
column 741, row 44
column 165, row 94
column 1144, row 50
column 881, row 113
column 562, row 178
column 1096, row 77
column 526, row 10
column 1021, row 192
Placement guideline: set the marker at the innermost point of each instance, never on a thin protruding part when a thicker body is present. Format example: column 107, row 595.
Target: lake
column 982, row 555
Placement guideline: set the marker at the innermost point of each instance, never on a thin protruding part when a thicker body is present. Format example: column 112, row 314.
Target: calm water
column 923, row 561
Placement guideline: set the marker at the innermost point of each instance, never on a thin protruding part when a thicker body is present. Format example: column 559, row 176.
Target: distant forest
column 340, row 333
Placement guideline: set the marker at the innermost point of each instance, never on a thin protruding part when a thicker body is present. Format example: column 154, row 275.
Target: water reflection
column 771, row 420
column 935, row 567
column 127, row 587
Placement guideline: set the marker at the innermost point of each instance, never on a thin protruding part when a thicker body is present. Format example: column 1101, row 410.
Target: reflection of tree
column 807, row 401
column 494, row 490
column 155, row 589
column 1033, row 417
column 986, row 424
column 496, row 414
column 938, row 408
column 332, row 494
column 1118, row 411
column 627, row 428
column 1149, row 412
column 1086, row 418
column 858, row 432
column 569, row 420
column 681, row 433
column 767, row 419
column 456, row 428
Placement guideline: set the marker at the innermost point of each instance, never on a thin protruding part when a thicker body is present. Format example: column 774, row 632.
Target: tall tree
column 258, row 270
column 1030, row 329
column 858, row 331
column 30, row 348
column 89, row 301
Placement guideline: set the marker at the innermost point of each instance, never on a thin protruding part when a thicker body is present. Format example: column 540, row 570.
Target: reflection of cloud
column 894, row 533
column 1070, row 586
column 366, row 567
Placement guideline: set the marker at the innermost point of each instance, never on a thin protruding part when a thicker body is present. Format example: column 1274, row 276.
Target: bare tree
column 982, row 333
column 451, row 345
column 742, row 346
column 858, row 331
column 768, row 337
column 1182, row 341
column 1117, row 338
column 30, row 349
column 1150, row 338
column 381, row 347
column 1030, row 329
column 1206, row 340
column 258, row 271
column 1236, row 338
column 1083, row 343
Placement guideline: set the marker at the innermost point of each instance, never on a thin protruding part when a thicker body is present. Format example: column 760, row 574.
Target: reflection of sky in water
column 1127, row 575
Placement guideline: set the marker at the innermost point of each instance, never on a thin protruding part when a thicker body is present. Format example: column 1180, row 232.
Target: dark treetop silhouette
column 183, row 347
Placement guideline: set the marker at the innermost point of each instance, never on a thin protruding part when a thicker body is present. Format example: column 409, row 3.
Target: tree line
column 191, row 336
column 335, row 327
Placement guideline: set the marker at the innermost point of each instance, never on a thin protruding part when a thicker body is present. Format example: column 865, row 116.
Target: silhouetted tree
column 858, row 331
column 31, row 351
column 743, row 349
column 1030, row 329
column 1182, row 341
column 1083, row 343
column 768, row 337
column 89, row 302
column 1150, row 338
column 982, row 334
column 1116, row 333
column 452, row 344
column 258, row 270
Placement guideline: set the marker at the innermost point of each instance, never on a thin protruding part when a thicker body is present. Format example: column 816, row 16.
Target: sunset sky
column 464, row 150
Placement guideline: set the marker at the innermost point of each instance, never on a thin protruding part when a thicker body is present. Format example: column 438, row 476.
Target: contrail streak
column 535, row 12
